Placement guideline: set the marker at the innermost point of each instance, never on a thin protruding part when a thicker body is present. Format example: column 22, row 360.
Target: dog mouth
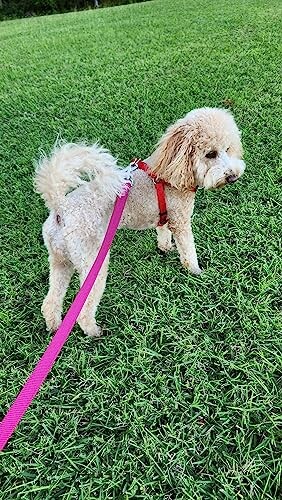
column 230, row 179
column 223, row 181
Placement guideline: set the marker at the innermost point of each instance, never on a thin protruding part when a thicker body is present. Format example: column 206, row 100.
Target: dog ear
column 173, row 159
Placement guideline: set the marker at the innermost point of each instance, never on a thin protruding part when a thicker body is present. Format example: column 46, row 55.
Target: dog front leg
column 184, row 240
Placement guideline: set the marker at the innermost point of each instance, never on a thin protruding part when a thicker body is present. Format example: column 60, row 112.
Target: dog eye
column 211, row 154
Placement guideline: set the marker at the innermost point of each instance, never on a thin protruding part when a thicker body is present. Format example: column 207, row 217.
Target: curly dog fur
column 202, row 149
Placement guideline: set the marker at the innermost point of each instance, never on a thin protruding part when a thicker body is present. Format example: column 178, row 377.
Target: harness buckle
column 133, row 164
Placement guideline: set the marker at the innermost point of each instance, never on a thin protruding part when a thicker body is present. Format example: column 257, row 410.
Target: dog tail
column 71, row 165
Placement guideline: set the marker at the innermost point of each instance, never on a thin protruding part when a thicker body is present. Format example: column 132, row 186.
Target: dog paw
column 94, row 331
column 194, row 269
column 52, row 319
column 52, row 326
column 162, row 250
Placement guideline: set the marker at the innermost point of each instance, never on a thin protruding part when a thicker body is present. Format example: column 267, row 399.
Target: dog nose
column 231, row 178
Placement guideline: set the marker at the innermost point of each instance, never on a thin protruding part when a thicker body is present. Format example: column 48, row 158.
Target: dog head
column 202, row 149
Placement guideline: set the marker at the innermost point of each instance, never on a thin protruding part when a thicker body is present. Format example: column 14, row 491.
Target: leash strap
column 44, row 365
column 160, row 190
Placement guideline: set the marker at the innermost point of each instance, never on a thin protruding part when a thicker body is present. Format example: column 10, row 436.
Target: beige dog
column 202, row 149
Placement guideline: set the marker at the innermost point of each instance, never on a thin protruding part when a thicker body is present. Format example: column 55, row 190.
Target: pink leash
column 44, row 365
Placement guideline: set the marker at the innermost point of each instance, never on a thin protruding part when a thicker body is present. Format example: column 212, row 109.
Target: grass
column 182, row 397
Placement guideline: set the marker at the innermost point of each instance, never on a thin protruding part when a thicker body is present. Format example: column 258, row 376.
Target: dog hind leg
column 60, row 275
column 86, row 319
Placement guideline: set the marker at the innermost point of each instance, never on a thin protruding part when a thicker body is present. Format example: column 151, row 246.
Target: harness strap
column 160, row 191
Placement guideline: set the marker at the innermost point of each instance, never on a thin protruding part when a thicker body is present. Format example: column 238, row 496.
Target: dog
column 79, row 184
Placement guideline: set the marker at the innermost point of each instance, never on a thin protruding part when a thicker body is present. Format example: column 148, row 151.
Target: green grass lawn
column 182, row 398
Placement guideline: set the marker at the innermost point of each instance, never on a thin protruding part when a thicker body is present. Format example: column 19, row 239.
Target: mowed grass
column 182, row 397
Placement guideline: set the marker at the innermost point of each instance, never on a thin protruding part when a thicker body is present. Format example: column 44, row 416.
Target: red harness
column 160, row 190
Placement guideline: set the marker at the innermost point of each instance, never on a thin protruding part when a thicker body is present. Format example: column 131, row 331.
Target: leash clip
column 133, row 164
